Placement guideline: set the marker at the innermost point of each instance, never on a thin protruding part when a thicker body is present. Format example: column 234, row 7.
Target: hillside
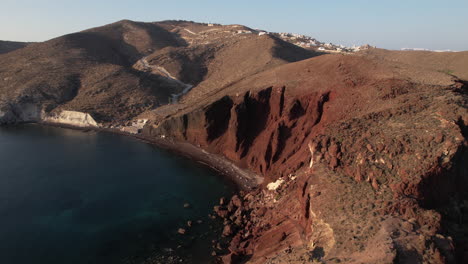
column 96, row 71
column 8, row 46
column 359, row 159
column 453, row 63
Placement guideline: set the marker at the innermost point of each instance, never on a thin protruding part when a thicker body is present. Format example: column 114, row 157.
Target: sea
column 74, row 196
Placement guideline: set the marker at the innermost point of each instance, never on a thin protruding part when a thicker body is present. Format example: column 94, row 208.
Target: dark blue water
column 70, row 196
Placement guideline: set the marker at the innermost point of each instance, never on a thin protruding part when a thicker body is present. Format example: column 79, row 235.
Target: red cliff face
column 265, row 131
column 364, row 159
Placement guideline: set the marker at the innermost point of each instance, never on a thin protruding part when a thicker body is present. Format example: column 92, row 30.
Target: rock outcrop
column 72, row 118
column 28, row 112
column 6, row 116
column 20, row 112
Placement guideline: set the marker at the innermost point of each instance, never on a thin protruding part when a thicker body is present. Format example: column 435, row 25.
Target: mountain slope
column 217, row 57
column 104, row 71
column 8, row 46
column 88, row 71
column 454, row 63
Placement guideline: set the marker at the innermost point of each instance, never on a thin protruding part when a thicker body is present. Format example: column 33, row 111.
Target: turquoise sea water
column 70, row 196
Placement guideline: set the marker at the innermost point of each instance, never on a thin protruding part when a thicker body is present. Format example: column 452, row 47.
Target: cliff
column 72, row 118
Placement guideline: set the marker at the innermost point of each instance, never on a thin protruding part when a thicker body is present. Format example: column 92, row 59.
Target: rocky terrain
column 359, row 152
column 362, row 156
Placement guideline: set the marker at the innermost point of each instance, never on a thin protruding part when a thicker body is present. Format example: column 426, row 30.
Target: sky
column 396, row 24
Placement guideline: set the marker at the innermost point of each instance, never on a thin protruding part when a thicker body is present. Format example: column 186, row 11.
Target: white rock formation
column 72, row 118
column 275, row 185
column 312, row 150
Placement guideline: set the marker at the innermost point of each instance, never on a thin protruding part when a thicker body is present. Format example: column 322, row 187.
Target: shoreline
column 243, row 179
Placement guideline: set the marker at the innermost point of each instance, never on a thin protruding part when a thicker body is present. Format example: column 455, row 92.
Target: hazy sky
column 391, row 24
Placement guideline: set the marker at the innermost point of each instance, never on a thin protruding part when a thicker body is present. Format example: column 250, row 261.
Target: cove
column 69, row 196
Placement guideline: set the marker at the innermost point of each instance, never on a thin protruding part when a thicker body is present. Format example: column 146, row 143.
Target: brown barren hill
column 118, row 71
column 217, row 56
column 88, row 71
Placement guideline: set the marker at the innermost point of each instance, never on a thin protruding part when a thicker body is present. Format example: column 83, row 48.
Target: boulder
column 227, row 231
